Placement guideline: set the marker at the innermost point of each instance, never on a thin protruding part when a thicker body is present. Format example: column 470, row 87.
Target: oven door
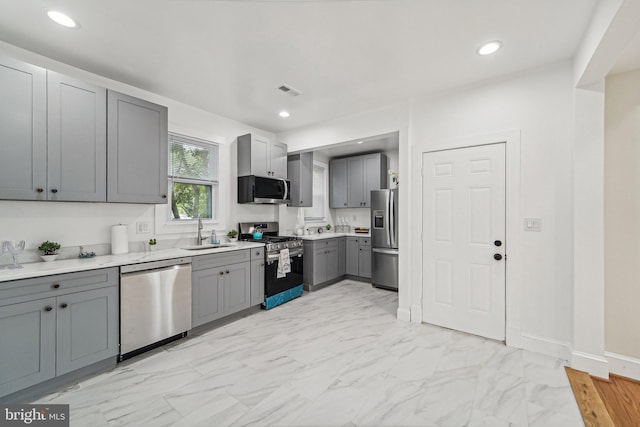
column 274, row 285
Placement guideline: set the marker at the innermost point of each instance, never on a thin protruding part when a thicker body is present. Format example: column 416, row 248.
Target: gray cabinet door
column 353, row 251
column 27, row 334
column 338, row 197
column 278, row 160
column 375, row 175
column 342, row 256
column 136, row 150
column 364, row 261
column 257, row 282
column 319, row 265
column 87, row 328
column 259, row 156
column 23, row 130
column 207, row 293
column 237, row 287
column 76, row 140
column 300, row 172
column 355, row 179
column 332, row 263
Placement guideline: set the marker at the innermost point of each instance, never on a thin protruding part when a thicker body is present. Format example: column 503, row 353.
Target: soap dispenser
column 214, row 238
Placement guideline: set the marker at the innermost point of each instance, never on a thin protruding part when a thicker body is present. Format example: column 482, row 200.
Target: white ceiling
column 630, row 58
column 345, row 56
column 372, row 144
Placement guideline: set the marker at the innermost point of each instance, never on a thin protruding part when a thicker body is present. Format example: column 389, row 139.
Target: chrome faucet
column 199, row 239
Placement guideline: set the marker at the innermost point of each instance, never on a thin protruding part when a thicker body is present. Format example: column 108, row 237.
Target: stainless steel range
column 280, row 286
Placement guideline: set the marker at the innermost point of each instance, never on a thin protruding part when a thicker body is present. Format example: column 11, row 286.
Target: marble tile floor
column 335, row 357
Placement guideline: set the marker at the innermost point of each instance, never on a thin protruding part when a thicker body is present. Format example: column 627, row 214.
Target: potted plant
column 232, row 235
column 49, row 250
column 152, row 244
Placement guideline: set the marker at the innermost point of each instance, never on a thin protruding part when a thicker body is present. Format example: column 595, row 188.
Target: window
column 193, row 178
column 316, row 212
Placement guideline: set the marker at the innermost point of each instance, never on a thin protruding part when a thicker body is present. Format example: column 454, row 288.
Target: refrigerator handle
column 392, row 220
column 388, row 217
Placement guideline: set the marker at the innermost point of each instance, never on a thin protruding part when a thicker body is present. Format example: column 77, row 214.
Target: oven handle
column 276, row 256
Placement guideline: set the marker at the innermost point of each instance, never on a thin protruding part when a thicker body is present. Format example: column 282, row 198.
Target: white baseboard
column 514, row 337
column 416, row 313
column 624, row 366
column 548, row 346
column 404, row 314
column 593, row 364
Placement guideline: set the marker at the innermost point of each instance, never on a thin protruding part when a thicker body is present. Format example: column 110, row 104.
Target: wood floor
column 606, row 403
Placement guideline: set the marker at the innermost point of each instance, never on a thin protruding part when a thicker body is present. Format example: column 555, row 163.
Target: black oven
column 275, row 285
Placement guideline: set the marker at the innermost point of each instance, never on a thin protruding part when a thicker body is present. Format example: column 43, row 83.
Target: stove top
column 273, row 242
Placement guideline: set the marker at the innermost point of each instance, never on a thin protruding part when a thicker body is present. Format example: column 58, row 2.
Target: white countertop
column 331, row 235
column 39, row 269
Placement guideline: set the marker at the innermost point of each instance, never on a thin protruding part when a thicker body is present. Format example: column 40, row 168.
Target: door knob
column 497, row 243
column 497, row 257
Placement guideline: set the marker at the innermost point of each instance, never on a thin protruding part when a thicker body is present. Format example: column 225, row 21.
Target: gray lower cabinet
column 23, row 130
column 221, row 285
column 137, row 150
column 359, row 256
column 27, row 333
column 300, row 173
column 55, row 325
column 257, row 282
column 342, row 256
column 320, row 261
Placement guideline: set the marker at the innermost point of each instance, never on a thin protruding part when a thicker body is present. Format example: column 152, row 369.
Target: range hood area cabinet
column 351, row 180
column 300, row 172
column 261, row 157
column 53, row 140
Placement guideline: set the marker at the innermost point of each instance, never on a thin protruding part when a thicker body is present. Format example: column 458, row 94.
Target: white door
column 463, row 214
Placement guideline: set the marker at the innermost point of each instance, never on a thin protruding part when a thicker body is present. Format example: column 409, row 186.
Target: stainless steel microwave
column 259, row 189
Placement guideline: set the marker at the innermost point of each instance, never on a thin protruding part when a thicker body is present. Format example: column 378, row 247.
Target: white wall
column 539, row 105
column 73, row 224
column 622, row 214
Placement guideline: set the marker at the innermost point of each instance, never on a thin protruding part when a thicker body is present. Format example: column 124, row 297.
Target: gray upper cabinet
column 351, row 180
column 260, row 156
column 23, row 130
column 300, row 172
column 338, row 183
column 136, row 150
column 76, row 140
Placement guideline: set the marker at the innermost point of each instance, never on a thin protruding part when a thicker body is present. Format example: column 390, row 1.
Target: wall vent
column 291, row 91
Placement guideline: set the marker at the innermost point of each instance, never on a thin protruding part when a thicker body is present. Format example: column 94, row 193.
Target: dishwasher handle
column 155, row 265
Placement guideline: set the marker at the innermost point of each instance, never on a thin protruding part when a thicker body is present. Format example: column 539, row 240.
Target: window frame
column 164, row 223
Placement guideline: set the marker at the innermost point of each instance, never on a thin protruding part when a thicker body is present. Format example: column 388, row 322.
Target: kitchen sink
column 203, row 247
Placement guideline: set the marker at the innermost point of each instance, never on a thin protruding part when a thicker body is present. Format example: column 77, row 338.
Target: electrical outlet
column 142, row 227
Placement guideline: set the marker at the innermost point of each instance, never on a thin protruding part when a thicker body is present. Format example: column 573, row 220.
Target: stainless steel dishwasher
column 155, row 303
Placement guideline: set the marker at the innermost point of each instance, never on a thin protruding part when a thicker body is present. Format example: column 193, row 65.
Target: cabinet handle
column 345, row 204
column 55, row 285
column 257, row 253
column 39, row 190
column 63, row 305
column 301, row 201
column 164, row 196
column 262, row 265
column 221, row 273
column 226, row 272
column 54, row 190
column 48, row 308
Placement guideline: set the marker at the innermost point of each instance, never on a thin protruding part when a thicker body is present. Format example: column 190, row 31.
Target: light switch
column 142, row 227
column 533, row 224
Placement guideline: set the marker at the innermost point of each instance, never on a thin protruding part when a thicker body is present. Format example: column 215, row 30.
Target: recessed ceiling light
column 489, row 48
column 359, row 142
column 61, row 19
column 284, row 114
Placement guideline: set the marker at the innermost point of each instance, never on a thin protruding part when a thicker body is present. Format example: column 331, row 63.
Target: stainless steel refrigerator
column 384, row 239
